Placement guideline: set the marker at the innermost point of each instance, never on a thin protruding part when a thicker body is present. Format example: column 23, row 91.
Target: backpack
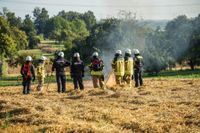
column 97, row 65
column 27, row 70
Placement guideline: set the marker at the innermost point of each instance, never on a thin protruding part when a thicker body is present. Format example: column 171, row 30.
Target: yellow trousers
column 128, row 79
column 97, row 81
column 118, row 79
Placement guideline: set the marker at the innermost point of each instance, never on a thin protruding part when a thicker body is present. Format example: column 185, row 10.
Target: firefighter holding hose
column 128, row 66
column 118, row 67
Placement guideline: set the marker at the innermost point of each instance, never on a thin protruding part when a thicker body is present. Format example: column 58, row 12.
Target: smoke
column 127, row 33
column 158, row 49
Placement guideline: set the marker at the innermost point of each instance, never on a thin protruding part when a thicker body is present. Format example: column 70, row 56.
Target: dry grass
column 161, row 105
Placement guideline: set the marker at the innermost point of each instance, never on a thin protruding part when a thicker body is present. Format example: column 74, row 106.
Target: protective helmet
column 128, row 51
column 77, row 55
column 61, row 54
column 119, row 52
column 43, row 58
column 95, row 54
column 29, row 58
column 136, row 51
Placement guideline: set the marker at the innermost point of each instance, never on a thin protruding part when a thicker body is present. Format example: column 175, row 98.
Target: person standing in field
column 118, row 67
column 96, row 69
column 28, row 74
column 129, row 64
column 138, row 66
column 41, row 73
column 77, row 71
column 60, row 64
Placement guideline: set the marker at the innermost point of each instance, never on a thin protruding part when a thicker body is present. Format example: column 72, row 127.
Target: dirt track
column 161, row 105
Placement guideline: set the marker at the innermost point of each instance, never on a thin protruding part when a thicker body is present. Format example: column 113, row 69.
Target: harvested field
column 161, row 105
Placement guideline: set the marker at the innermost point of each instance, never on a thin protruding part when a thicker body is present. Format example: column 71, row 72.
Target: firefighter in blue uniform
column 60, row 64
column 138, row 59
column 77, row 71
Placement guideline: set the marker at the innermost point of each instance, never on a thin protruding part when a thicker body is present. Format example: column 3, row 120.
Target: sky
column 144, row 9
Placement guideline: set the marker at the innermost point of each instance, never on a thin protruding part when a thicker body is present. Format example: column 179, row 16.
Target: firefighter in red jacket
column 96, row 69
column 28, row 74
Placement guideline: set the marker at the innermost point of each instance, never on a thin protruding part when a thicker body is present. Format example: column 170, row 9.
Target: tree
column 70, row 16
column 41, row 17
column 11, row 18
column 55, row 26
column 178, row 32
column 28, row 25
column 193, row 53
column 7, row 47
column 29, row 28
column 20, row 38
column 90, row 19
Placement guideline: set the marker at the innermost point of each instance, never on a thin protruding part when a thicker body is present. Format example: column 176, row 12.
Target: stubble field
column 161, row 105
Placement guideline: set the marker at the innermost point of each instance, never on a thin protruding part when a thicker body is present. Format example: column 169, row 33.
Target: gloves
column 33, row 79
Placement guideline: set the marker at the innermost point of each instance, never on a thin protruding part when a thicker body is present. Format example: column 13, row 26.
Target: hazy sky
column 146, row 9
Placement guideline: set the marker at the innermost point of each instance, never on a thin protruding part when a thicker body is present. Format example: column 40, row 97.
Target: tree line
column 178, row 42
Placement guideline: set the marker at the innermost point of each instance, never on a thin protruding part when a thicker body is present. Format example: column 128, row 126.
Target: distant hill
column 154, row 23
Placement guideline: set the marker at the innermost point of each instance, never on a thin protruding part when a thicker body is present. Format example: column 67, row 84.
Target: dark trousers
column 61, row 82
column 26, row 85
column 138, row 78
column 78, row 81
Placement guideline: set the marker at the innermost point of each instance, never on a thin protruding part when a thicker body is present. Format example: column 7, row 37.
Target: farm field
column 161, row 105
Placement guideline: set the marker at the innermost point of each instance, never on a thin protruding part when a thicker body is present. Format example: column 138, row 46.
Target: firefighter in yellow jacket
column 129, row 65
column 41, row 73
column 96, row 68
column 118, row 67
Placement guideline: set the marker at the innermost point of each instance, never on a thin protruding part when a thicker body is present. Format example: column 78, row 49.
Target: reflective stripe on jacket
column 41, row 70
column 96, row 73
column 129, row 64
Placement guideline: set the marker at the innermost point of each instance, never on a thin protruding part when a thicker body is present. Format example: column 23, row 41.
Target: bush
column 3, row 68
column 35, row 54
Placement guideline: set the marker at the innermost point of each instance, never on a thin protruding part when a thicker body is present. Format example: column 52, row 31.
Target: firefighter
column 59, row 64
column 96, row 68
column 28, row 74
column 77, row 71
column 138, row 59
column 41, row 73
column 118, row 67
column 129, row 63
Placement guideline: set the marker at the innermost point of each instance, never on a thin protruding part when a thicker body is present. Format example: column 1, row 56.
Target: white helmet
column 76, row 55
column 95, row 54
column 29, row 58
column 136, row 51
column 61, row 54
column 128, row 51
column 119, row 52
column 43, row 58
